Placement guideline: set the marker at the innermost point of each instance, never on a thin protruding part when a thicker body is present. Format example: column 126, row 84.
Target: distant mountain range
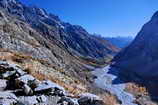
column 120, row 41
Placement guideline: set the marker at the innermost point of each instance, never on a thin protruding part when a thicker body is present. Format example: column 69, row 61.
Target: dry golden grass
column 75, row 87
column 10, row 55
column 107, row 98
column 72, row 88
column 136, row 89
column 32, row 69
column 21, row 57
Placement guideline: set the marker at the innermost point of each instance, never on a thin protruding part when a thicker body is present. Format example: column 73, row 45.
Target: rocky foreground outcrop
column 140, row 58
column 19, row 88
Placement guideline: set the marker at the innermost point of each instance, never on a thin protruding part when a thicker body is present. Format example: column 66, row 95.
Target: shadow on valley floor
column 119, row 79
column 150, row 86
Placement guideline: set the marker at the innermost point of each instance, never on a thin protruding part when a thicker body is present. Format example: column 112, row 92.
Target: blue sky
column 105, row 17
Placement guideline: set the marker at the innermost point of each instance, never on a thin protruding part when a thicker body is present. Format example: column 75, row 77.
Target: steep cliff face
column 141, row 56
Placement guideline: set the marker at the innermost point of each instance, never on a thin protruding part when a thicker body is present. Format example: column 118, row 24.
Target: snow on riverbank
column 105, row 80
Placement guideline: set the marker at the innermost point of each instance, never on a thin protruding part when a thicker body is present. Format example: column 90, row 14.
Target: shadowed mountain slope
column 140, row 57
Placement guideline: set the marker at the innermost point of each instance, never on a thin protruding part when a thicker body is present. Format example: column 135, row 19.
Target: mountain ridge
column 51, row 27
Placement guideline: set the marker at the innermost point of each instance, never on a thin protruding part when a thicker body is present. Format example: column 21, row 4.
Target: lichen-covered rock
column 7, row 98
column 69, row 101
column 90, row 96
column 48, row 86
column 10, row 70
column 28, row 100
column 38, row 100
column 53, row 100
column 27, row 90
column 3, row 84
column 7, row 101
column 89, row 99
column 8, row 74
column 24, row 80
column 42, row 99
column 7, row 95
column 20, row 72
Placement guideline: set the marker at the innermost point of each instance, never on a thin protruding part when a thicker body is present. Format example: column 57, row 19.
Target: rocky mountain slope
column 140, row 57
column 49, row 49
column 73, row 37
column 137, row 63
column 120, row 42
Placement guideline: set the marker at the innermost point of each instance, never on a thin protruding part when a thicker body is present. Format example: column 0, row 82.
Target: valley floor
column 107, row 79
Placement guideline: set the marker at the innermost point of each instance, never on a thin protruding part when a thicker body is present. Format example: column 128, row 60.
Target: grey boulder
column 7, row 98
column 27, row 90
column 3, row 84
column 89, row 99
column 26, row 79
column 68, row 101
column 49, row 87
